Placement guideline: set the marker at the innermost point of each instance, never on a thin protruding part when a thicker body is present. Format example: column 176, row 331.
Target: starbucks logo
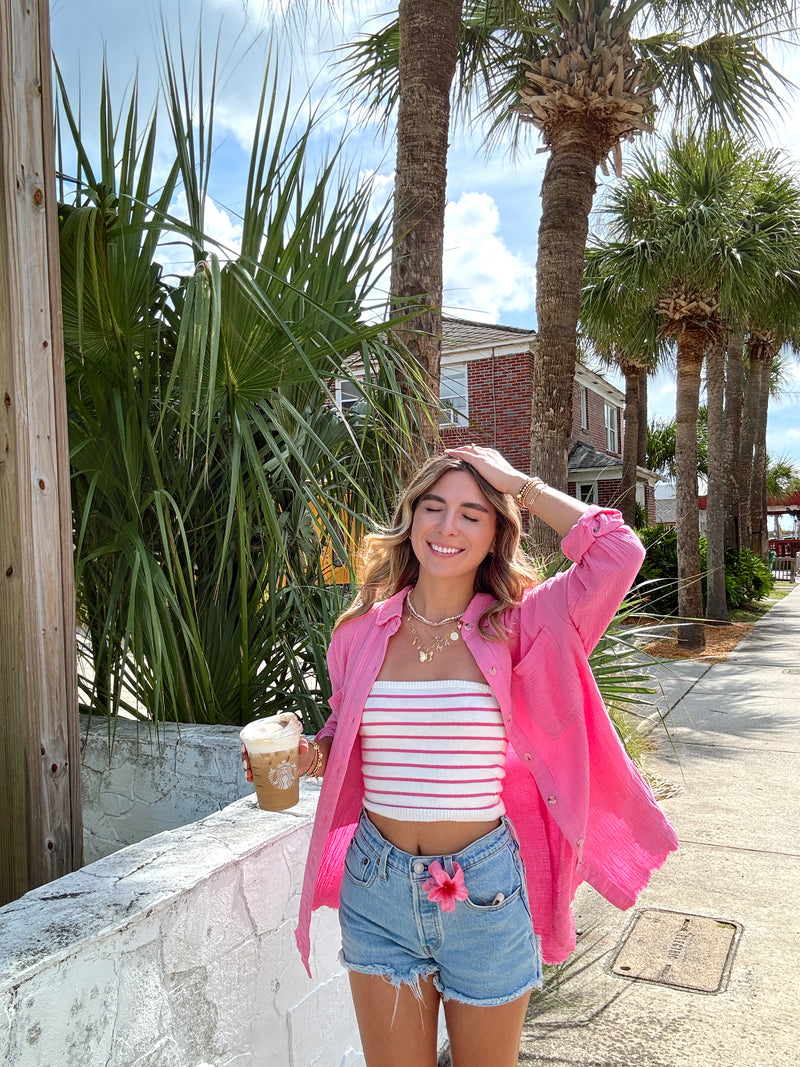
column 284, row 774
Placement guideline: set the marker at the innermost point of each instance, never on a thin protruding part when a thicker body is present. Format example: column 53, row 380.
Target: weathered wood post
column 40, row 818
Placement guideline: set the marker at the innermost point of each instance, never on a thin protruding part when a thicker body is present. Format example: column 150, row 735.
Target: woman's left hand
column 491, row 465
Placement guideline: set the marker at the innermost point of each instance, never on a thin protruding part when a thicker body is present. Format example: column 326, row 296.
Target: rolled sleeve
column 607, row 556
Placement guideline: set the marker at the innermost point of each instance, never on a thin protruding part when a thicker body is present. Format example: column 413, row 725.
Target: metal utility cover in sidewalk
column 686, row 951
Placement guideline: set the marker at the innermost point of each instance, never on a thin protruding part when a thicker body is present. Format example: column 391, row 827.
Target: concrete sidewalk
column 736, row 808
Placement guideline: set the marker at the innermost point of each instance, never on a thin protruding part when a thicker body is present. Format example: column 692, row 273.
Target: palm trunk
column 641, row 449
column 759, row 541
column 716, row 602
column 567, row 193
column 429, row 38
column 691, row 342
column 734, row 403
column 747, row 446
column 630, row 443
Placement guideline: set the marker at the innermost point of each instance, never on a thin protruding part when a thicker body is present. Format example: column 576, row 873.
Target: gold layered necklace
column 439, row 644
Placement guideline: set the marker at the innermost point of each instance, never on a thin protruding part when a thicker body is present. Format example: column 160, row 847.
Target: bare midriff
column 430, row 838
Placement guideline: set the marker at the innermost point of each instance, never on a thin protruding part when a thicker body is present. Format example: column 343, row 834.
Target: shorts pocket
column 360, row 866
column 494, row 884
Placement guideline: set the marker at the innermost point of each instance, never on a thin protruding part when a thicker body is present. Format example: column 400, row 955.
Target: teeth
column 445, row 551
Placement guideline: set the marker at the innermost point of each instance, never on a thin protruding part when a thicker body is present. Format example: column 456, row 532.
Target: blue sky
column 492, row 213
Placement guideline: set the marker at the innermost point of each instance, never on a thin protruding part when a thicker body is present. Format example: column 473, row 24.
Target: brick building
column 486, row 397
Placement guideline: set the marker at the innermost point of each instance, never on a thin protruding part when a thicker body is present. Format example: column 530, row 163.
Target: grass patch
column 758, row 609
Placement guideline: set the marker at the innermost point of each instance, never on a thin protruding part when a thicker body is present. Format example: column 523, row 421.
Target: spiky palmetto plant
column 214, row 476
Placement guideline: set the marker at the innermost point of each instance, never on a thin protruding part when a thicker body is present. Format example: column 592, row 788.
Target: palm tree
column 783, row 476
column 213, row 472
column 716, row 597
column 687, row 236
column 773, row 322
column 581, row 79
column 766, row 366
column 660, row 451
column 428, row 38
column 635, row 350
column 734, row 408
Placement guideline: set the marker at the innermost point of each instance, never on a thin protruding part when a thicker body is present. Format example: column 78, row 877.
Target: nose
column 447, row 524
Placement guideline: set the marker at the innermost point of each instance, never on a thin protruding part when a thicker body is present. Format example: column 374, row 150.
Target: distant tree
column 783, row 476
column 661, row 444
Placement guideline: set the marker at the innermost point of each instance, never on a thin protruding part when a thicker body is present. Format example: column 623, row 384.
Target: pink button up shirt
column 581, row 810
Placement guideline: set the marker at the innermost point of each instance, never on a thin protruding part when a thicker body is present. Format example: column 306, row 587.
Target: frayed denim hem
column 493, row 1002
column 411, row 980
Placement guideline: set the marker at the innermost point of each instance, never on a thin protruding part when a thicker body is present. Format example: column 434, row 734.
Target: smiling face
column 454, row 527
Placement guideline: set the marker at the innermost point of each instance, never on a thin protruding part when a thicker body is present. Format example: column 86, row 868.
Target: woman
column 471, row 777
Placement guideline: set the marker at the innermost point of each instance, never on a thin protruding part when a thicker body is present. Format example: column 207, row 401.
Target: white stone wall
column 178, row 952
column 139, row 780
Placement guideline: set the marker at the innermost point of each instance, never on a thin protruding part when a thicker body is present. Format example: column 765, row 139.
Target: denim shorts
column 483, row 952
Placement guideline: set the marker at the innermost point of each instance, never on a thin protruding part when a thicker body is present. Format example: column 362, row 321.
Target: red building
column 486, row 397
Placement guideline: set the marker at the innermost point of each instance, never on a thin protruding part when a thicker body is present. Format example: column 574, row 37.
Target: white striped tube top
column 432, row 751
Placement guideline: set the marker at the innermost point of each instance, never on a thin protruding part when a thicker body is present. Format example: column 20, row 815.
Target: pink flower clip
column 444, row 890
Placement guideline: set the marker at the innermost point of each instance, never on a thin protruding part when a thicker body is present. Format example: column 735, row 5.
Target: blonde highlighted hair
column 387, row 562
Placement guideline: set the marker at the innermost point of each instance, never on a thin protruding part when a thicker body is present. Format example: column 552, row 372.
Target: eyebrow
column 466, row 504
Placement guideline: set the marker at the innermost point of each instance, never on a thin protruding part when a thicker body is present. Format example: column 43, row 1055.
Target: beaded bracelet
column 315, row 768
column 522, row 496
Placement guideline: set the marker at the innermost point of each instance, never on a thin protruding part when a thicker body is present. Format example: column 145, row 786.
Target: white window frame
column 584, row 407
column 346, row 394
column 454, row 402
column 590, row 497
column 612, row 432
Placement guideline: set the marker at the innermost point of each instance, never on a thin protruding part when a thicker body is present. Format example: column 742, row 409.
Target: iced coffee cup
column 273, row 747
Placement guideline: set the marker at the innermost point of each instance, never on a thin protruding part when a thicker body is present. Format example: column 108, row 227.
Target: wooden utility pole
column 40, row 816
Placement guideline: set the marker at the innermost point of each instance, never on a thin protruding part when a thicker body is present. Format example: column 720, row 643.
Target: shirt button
column 527, row 757
column 508, row 718
column 419, row 867
column 579, row 842
column 493, row 670
column 467, row 625
column 551, row 800
column 596, row 529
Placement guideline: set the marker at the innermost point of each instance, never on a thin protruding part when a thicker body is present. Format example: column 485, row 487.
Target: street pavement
column 733, row 771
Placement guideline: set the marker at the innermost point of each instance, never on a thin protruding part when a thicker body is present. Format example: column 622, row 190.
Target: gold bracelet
column 522, row 496
column 315, row 768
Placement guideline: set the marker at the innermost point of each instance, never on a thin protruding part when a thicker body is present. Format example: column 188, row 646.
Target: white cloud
column 482, row 278
column 218, row 225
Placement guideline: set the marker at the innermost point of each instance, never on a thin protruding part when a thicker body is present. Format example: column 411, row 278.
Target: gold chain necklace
column 421, row 618
column 439, row 644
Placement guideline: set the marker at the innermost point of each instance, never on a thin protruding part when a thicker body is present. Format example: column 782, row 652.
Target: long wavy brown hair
column 387, row 562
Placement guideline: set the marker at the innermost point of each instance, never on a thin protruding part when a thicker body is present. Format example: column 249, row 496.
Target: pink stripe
column 373, row 701
column 441, row 737
column 446, row 722
column 415, row 807
column 459, row 752
column 435, row 766
column 444, row 781
column 434, row 796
